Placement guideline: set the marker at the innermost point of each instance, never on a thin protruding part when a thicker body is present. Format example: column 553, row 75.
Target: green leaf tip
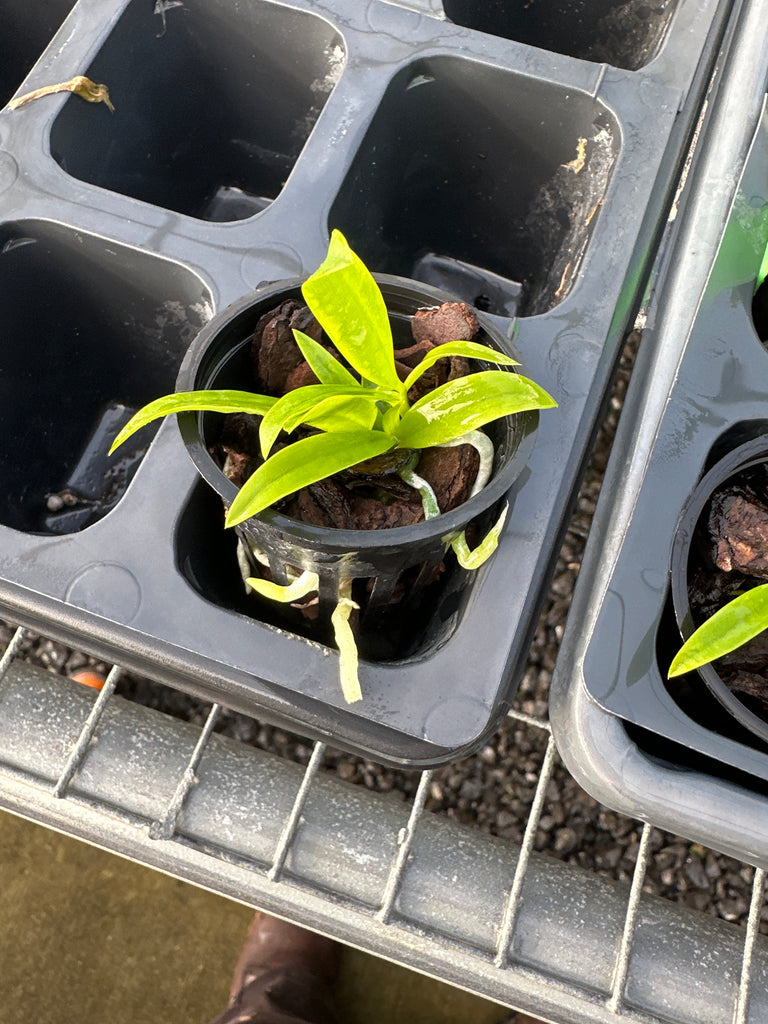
column 303, row 463
column 466, row 404
column 349, row 306
column 466, row 349
column 731, row 626
column 194, row 401
column 325, row 367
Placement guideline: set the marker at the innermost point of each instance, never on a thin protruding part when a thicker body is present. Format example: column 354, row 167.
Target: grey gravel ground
column 493, row 790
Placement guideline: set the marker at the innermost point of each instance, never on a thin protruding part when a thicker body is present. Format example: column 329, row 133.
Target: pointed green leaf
column 302, row 463
column 298, row 407
column 730, row 627
column 325, row 367
column 467, row 349
column 467, row 403
column 194, row 401
column 351, row 309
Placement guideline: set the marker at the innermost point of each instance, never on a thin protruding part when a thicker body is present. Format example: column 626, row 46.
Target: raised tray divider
column 26, row 34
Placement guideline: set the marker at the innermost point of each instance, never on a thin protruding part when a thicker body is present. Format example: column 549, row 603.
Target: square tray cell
column 92, row 331
column 625, row 33
column 213, row 105
column 27, row 30
column 480, row 181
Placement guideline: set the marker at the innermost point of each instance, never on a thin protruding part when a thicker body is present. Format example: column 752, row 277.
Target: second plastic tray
column 672, row 754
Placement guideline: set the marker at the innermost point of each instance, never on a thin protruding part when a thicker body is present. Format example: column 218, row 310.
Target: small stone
column 732, row 909
column 471, row 789
column 566, row 840
column 695, row 873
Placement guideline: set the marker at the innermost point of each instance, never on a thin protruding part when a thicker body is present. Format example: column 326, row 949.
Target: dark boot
column 284, row 975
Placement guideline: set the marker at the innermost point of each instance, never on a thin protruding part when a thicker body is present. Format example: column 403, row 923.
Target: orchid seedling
column 363, row 412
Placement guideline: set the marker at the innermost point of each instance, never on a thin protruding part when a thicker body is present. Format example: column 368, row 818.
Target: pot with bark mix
column 357, row 473
column 720, row 584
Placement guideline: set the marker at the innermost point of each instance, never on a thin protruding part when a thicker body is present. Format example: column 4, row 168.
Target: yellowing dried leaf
column 80, row 85
column 580, row 159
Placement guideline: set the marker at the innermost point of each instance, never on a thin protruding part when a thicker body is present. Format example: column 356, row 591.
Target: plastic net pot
column 393, row 573
column 746, row 456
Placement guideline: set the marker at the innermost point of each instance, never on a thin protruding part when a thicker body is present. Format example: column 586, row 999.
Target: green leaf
column 742, row 246
column 467, row 403
column 297, row 407
column 302, row 463
column 730, row 627
column 344, row 414
column 763, row 271
column 351, row 309
column 467, row 349
column 325, row 367
column 194, row 401
column 389, row 419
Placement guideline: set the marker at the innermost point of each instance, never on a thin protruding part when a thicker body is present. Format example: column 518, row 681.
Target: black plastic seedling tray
column 716, row 403
column 525, row 164
column 700, row 392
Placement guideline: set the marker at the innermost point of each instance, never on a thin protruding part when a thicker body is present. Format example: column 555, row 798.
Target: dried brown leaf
column 580, row 159
column 80, row 85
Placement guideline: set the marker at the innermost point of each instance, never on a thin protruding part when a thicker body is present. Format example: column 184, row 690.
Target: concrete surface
column 89, row 937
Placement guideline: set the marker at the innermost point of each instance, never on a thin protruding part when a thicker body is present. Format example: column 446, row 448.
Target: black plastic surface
column 716, row 404
column 528, row 180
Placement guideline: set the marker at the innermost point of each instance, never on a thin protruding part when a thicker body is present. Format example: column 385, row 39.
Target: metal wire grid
column 485, row 914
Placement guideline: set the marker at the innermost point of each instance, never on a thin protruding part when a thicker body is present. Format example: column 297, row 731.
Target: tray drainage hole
column 482, row 302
